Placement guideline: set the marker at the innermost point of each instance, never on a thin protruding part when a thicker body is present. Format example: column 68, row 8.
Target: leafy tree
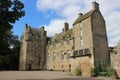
column 11, row 61
column 10, row 12
column 14, row 55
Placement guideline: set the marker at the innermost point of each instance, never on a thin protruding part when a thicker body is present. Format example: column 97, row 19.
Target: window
column 81, row 32
column 54, row 56
column 36, row 60
column 80, row 52
column 68, row 55
column 49, row 57
column 80, row 23
column 86, row 51
column 62, row 56
column 68, row 42
column 37, row 36
column 36, row 45
column 81, row 42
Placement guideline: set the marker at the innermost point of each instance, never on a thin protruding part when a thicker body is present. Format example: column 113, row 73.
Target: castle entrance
column 29, row 66
column 69, row 67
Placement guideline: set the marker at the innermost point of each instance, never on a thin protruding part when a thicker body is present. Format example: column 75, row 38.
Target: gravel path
column 41, row 75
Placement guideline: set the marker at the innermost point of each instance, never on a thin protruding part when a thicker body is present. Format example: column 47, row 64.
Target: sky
column 54, row 13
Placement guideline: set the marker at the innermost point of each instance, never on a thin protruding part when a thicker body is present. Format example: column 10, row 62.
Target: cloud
column 67, row 11
column 54, row 27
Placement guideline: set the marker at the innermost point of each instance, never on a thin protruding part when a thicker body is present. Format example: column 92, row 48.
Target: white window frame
column 81, row 32
column 81, row 42
column 68, row 55
column 81, row 24
column 54, row 56
column 62, row 55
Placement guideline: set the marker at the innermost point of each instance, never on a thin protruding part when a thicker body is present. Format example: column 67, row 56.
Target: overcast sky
column 53, row 13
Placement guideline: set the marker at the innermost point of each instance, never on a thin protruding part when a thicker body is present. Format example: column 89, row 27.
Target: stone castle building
column 115, row 59
column 79, row 47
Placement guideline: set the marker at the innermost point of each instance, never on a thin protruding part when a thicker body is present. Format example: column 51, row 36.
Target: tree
column 11, row 61
column 10, row 12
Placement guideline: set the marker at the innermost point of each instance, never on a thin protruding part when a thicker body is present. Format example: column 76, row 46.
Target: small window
column 62, row 56
column 80, row 23
column 49, row 57
column 54, row 56
column 36, row 60
column 68, row 55
column 36, row 44
column 37, row 36
column 81, row 42
column 81, row 32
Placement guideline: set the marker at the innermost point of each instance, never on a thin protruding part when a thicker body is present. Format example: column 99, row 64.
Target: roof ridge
column 84, row 16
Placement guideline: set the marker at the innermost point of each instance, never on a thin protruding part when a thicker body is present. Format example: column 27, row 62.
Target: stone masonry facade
column 79, row 47
column 33, row 48
column 115, row 59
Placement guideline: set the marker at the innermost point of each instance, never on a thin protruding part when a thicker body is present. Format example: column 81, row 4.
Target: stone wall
column 115, row 59
column 74, row 48
column 22, row 62
column 33, row 47
column 100, row 42
column 55, row 53
column 82, row 63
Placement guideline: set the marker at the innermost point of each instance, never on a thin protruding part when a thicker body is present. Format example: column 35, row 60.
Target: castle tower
column 91, row 45
column 32, row 53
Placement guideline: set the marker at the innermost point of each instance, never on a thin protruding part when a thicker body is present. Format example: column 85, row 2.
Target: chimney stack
column 26, row 25
column 80, row 14
column 66, row 26
column 95, row 5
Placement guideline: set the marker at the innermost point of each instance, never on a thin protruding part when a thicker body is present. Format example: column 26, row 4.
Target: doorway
column 29, row 66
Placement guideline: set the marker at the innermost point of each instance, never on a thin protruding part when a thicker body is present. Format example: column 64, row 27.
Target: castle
column 115, row 58
column 79, row 47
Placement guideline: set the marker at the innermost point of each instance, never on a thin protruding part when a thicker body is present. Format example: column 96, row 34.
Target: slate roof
column 61, row 36
column 81, row 18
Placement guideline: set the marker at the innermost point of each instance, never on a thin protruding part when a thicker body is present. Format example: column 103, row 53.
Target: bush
column 110, row 72
column 93, row 72
column 102, row 73
column 78, row 72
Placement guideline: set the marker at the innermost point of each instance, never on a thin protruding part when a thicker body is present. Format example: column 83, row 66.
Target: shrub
column 102, row 73
column 78, row 72
column 110, row 72
column 94, row 72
